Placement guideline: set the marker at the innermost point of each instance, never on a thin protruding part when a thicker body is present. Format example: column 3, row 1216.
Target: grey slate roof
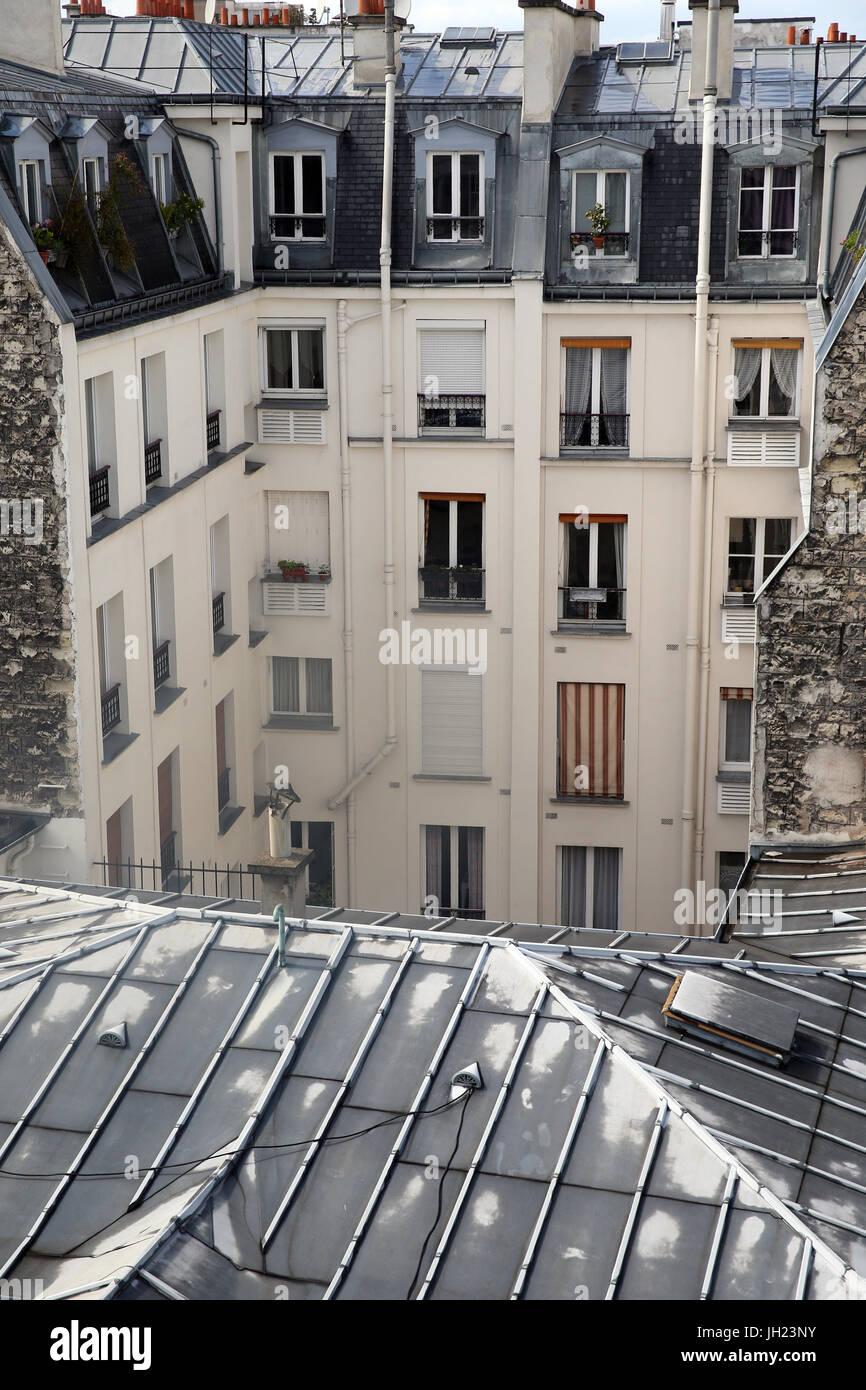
column 814, row 887
column 286, row 1121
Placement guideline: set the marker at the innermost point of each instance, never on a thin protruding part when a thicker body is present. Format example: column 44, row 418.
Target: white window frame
column 595, row 387
column 589, row 901
column 296, row 157
column 92, row 164
column 592, row 583
column 767, row 211
column 302, row 689
column 766, row 368
column 726, row 764
column 600, row 190
column 452, row 531
column 23, row 166
column 760, row 532
column 454, row 856
column 160, row 166
column 91, row 425
column 455, row 157
column 103, row 646
column 293, row 326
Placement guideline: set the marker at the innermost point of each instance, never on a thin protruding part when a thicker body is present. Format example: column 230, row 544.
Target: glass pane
column 747, row 373
column 318, row 670
column 741, row 575
column 605, row 889
column 436, row 551
column 284, row 183
column 311, row 183
column 31, row 187
column 469, row 522
column 285, row 680
column 311, row 365
column 752, row 178
column 278, row 344
column 442, row 184
column 614, row 194
column 751, row 209
column 785, row 177
column 738, row 731
column 578, row 556
column 470, row 185
column 777, row 536
column 585, row 197
column 610, row 568
column 320, row 839
column 437, row 871
column 470, row 869
column 90, row 420
column 742, row 535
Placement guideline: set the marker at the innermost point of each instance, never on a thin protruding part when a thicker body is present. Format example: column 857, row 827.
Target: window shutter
column 591, row 733
column 455, row 358
column 451, row 722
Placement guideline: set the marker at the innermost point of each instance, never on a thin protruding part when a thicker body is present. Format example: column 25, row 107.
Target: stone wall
column 810, row 681
column 38, row 725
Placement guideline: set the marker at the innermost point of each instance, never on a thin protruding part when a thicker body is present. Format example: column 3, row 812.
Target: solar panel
column 468, row 38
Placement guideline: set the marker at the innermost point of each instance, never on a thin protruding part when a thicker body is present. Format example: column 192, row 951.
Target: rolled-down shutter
column 452, row 723
column 451, row 361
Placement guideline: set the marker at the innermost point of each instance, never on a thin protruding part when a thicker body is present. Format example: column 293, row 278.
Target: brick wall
column 38, row 739
column 810, row 693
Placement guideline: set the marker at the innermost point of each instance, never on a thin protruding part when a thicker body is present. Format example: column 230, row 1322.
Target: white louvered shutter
column 454, row 359
column 452, row 723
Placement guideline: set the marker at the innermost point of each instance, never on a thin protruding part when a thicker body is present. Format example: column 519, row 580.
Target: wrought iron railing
column 100, row 497
column 593, row 431
column 206, row 880
column 214, row 432
column 161, row 665
column 463, row 584
column 219, row 612
column 450, row 412
column 752, row 243
column 223, row 788
column 591, row 604
column 613, row 243
column 288, row 226
column 441, row 226
column 153, row 461
column 468, row 914
column 110, row 709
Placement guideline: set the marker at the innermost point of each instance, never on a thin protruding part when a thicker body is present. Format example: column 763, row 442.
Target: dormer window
column 161, row 179
column 297, row 197
column 454, row 196
column 769, row 211
column 31, row 192
column 92, row 182
column 608, row 188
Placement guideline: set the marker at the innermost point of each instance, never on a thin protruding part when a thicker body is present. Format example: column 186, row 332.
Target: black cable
column 467, row 1093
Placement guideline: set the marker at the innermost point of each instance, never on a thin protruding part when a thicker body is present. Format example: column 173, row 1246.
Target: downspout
column 348, row 613
column 828, row 221
column 217, row 188
column 699, row 430
column 387, row 409
column 706, row 615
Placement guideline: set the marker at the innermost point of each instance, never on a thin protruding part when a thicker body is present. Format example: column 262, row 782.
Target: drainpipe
column 217, row 189
column 348, row 620
column 699, row 430
column 706, row 614
column 387, row 408
column 828, row 221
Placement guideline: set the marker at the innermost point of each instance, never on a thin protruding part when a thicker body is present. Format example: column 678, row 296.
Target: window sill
column 449, row 606
column 165, row 696
column 605, row 451
column 260, row 804
column 448, row 777
column 299, row 402
column 590, row 630
column 255, row 638
column 310, row 722
column 115, row 744
column 228, row 816
column 223, row 640
column 764, row 424
column 589, row 801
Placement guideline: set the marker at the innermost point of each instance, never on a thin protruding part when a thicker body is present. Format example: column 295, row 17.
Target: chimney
column 31, row 35
column 666, row 22
column 727, row 10
column 553, row 33
column 368, row 27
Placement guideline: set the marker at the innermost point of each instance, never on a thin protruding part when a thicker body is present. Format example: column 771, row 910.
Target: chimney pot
column 843, row 38
column 833, row 33
column 224, row 14
column 245, row 16
column 792, row 34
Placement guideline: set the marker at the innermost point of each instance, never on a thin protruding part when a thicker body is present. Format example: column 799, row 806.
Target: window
column 162, row 621
column 454, row 197
column 766, row 379
column 768, row 211
column 589, row 887
column 99, row 435
column 317, row 835
column 591, row 730
column 298, row 528
column 161, row 179
column 31, row 192
column 731, row 865
column 91, row 423
column 154, row 416
column 214, row 387
column 610, row 187
column 301, row 685
column 755, row 547
column 735, row 752
column 452, row 560
column 297, row 211
column 451, row 378
column 293, row 360
column 595, row 393
column 92, row 183
column 452, row 724
column 592, row 569
column 454, row 869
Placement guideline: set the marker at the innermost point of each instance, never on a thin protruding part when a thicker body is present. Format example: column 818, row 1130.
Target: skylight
column 468, row 38
column 658, row 51
column 732, row 1018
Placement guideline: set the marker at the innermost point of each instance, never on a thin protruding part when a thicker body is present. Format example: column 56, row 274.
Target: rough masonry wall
column 810, row 685
column 38, row 739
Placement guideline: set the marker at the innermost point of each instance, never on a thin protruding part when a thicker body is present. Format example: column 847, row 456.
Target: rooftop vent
column 485, row 37
column 658, row 51
column 732, row 1018
column 113, row 1036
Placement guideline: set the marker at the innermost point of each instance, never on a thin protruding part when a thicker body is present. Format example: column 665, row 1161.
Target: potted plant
column 599, row 222
column 49, row 243
column 293, row 571
column 852, row 245
column 110, row 230
column 176, row 214
column 324, row 573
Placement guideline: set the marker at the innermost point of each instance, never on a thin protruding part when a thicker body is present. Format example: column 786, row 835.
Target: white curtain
column 433, row 863
column 614, row 378
column 286, row 684
column 578, row 380
column 318, row 685
column 738, row 731
column 572, row 886
column 471, row 854
column 784, row 365
column 605, row 889
column 747, row 364
column 619, row 553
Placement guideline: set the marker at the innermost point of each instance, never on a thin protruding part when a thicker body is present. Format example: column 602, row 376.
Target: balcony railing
column 161, row 665
column 613, row 243
column 443, row 227
column 593, row 431
column 152, row 461
column 779, row 242
column 223, row 788
column 468, row 914
column 99, row 491
column 591, row 605
column 214, row 432
column 219, row 612
column 451, row 412
column 464, row 584
column 168, row 856
column 287, row 226
column 110, row 710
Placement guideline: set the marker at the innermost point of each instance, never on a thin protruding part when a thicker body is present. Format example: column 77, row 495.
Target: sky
column 624, row 19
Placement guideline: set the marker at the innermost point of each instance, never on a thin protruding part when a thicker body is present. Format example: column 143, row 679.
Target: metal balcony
column 161, row 665
column 593, row 431
column 451, row 413
column 591, row 605
column 214, row 432
column 440, row 584
column 219, row 613
column 152, row 461
column 614, row 243
column 441, row 226
column 110, row 709
column 99, row 491
column 286, row 226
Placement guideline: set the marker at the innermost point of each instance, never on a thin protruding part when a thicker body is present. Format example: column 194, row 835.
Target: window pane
column 578, row 556
column 311, row 183
column 31, row 192
column 609, row 569
column 318, row 685
column 614, row 195
column 90, row 421
column 731, row 864
column 605, row 889
column 470, row 869
column 742, row 535
column 278, row 343
column 741, row 575
column 469, row 522
column 585, row 197
column 572, row 908
column 783, row 381
column 777, row 536
column 311, row 365
column 320, row 839
column 747, row 373
column 286, row 686
column 442, row 184
column 738, row 731
column 470, row 185
column 284, row 183
column 437, row 866
column 436, row 513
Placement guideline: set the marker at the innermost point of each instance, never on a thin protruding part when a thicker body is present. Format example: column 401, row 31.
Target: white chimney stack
column 666, row 22
column 31, row 34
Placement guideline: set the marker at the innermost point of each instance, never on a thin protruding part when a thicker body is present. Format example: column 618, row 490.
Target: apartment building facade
column 476, row 675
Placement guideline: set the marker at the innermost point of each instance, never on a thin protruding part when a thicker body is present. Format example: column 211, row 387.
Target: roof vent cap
column 468, row 1078
column 113, row 1036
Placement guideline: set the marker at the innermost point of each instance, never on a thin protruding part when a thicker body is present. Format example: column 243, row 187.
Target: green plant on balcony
column 112, row 235
column 178, row 213
column 293, row 570
column 49, row 242
column 599, row 223
column 854, row 247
